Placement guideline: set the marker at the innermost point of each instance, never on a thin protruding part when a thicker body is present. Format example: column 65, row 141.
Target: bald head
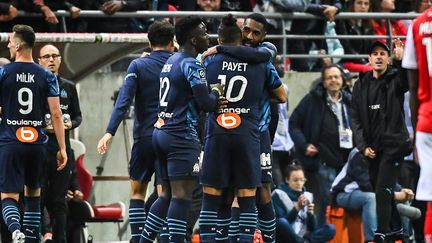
column 50, row 58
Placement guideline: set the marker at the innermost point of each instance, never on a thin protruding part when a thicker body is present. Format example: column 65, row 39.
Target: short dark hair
column 259, row 18
column 184, row 28
column 25, row 33
column 290, row 168
column 160, row 33
column 228, row 30
column 333, row 65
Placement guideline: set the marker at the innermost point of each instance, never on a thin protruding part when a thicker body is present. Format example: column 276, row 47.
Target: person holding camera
column 294, row 208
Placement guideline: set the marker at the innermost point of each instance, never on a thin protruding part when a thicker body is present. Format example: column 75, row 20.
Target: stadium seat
column 348, row 225
column 97, row 213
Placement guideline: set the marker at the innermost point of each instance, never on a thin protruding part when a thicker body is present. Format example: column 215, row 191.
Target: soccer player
column 418, row 60
column 232, row 147
column 57, row 182
column 141, row 82
column 26, row 89
column 183, row 94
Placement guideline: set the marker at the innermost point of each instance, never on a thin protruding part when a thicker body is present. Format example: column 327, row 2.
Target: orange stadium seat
column 348, row 225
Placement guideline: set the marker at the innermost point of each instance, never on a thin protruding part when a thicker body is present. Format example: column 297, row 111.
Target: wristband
column 217, row 90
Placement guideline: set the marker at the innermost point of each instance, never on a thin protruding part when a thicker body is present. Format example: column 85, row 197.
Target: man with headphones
column 320, row 129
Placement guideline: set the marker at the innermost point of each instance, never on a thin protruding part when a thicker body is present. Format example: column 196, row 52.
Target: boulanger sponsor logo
column 229, row 120
column 165, row 114
column 23, row 122
column 27, row 134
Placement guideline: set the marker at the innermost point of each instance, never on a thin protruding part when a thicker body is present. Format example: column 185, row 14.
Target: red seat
column 99, row 213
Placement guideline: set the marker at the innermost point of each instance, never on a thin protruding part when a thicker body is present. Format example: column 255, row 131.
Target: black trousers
column 384, row 174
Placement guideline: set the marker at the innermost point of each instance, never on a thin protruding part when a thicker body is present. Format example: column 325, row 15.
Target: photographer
column 294, row 208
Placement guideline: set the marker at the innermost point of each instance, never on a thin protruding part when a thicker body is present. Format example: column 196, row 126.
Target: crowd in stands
column 314, row 129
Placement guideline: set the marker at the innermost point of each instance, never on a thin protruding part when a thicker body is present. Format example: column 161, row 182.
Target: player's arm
column 57, row 122
column 409, row 62
column 196, row 75
column 263, row 53
column 122, row 104
column 274, row 83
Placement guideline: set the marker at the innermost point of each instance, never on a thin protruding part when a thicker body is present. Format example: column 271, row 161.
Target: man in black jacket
column 380, row 134
column 319, row 127
column 57, row 182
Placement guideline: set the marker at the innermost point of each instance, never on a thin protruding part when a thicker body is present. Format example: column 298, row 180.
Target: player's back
column 147, row 71
column 24, row 89
column 422, row 33
column 177, row 107
column 244, row 86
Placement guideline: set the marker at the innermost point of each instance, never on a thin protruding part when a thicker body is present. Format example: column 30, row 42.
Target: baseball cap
column 379, row 43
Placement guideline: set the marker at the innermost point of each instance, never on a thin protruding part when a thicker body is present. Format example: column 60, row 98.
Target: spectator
column 353, row 190
column 294, row 208
column 212, row 24
column 319, row 127
column 356, row 27
column 311, row 27
column 380, row 25
column 419, row 7
column 7, row 12
column 379, row 129
column 236, row 5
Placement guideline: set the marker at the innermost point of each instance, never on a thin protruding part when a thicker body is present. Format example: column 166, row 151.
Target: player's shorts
column 265, row 157
column 21, row 164
column 424, row 153
column 231, row 161
column 142, row 161
column 177, row 157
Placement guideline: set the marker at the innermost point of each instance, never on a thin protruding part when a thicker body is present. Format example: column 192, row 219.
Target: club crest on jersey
column 63, row 93
column 27, row 134
column 229, row 120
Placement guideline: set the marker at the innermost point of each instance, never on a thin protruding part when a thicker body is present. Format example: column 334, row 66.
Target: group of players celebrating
column 232, row 90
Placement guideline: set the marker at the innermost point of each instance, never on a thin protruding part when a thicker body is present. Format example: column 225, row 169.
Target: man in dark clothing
column 57, row 182
column 319, row 127
column 379, row 130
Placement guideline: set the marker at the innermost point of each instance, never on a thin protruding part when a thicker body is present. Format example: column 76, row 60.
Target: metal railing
column 62, row 14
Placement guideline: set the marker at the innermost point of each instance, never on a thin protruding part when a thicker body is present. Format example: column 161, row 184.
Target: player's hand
column 210, row 51
column 222, row 104
column 103, row 143
column 111, row 7
column 369, row 153
column 74, row 12
column 67, row 125
column 61, row 159
column 398, row 49
column 145, row 54
column 311, row 150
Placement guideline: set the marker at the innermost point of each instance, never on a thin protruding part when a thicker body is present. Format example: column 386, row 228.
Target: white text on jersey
column 25, row 77
column 234, row 66
column 425, row 28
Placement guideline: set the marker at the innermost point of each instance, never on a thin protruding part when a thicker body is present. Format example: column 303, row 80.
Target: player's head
column 50, row 58
column 228, row 31
column 294, row 177
column 21, row 39
column 333, row 78
column 254, row 29
column 161, row 34
column 191, row 31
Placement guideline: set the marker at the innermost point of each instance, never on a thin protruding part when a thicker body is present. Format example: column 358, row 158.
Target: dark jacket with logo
column 69, row 104
column 394, row 138
column 306, row 126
